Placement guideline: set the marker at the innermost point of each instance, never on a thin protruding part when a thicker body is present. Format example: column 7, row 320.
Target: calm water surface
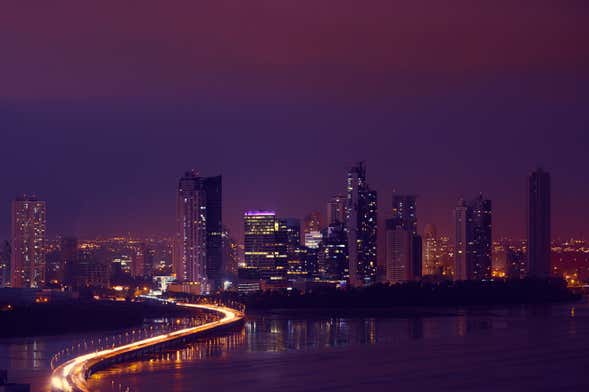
column 519, row 348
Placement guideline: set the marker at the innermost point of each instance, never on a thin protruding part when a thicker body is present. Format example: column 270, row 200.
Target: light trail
column 71, row 375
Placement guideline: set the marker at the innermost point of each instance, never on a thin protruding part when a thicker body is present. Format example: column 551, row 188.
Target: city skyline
column 260, row 195
column 385, row 212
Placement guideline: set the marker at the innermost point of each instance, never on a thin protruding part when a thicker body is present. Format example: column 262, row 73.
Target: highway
column 71, row 375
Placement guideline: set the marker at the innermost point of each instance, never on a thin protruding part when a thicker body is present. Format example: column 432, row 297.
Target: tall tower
column 403, row 244
column 404, row 212
column 199, row 251
column 213, row 190
column 431, row 262
column 28, row 242
column 288, row 243
column 398, row 249
column 5, row 251
column 539, row 223
column 361, row 227
column 473, row 238
column 481, row 232
column 460, row 237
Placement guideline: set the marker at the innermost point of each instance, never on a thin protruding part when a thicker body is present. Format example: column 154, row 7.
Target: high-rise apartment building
column 461, row 241
column 5, row 251
column 473, row 236
column 361, row 227
column 28, row 242
column 199, row 247
column 538, row 226
column 403, row 246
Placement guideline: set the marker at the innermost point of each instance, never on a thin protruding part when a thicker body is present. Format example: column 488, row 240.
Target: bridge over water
column 71, row 376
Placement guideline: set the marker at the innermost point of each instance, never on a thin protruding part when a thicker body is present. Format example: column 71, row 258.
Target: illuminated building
column 515, row 263
column 281, row 244
column 402, row 253
column 336, row 210
column 539, row 223
column 312, row 222
column 431, row 260
column 142, row 261
column 403, row 244
column 28, row 242
column 260, row 240
column 313, row 239
column 292, row 226
column 289, row 233
column 5, row 264
column 199, row 243
column 361, row 227
column 333, row 256
column 231, row 256
column 397, row 253
column 473, row 236
column 214, row 226
column 460, row 238
column 404, row 212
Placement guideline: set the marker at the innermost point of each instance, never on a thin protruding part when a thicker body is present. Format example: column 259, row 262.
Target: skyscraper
column 403, row 256
column 539, row 224
column 361, row 227
column 28, row 242
column 336, row 210
column 231, row 256
column 398, row 258
column 460, row 238
column 431, row 262
column 404, row 212
column 5, row 251
column 290, row 234
column 482, row 238
column 199, row 253
column 473, row 240
column 333, row 256
column 69, row 257
column 213, row 190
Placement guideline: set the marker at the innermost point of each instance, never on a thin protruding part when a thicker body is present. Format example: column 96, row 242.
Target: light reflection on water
column 277, row 334
column 28, row 359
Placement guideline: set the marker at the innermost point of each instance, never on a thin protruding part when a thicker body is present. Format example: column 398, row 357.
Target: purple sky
column 104, row 105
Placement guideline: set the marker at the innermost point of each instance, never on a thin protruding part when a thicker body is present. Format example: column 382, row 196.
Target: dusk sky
column 103, row 106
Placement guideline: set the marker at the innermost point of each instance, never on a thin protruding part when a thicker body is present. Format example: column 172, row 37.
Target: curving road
column 71, row 375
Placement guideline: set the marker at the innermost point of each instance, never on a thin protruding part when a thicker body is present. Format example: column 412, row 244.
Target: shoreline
column 39, row 320
column 401, row 312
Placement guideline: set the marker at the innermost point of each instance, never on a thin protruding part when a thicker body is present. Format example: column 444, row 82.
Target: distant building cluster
column 344, row 250
column 337, row 249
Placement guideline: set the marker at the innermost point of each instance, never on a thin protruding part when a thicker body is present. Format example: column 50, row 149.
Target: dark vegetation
column 417, row 294
column 81, row 316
